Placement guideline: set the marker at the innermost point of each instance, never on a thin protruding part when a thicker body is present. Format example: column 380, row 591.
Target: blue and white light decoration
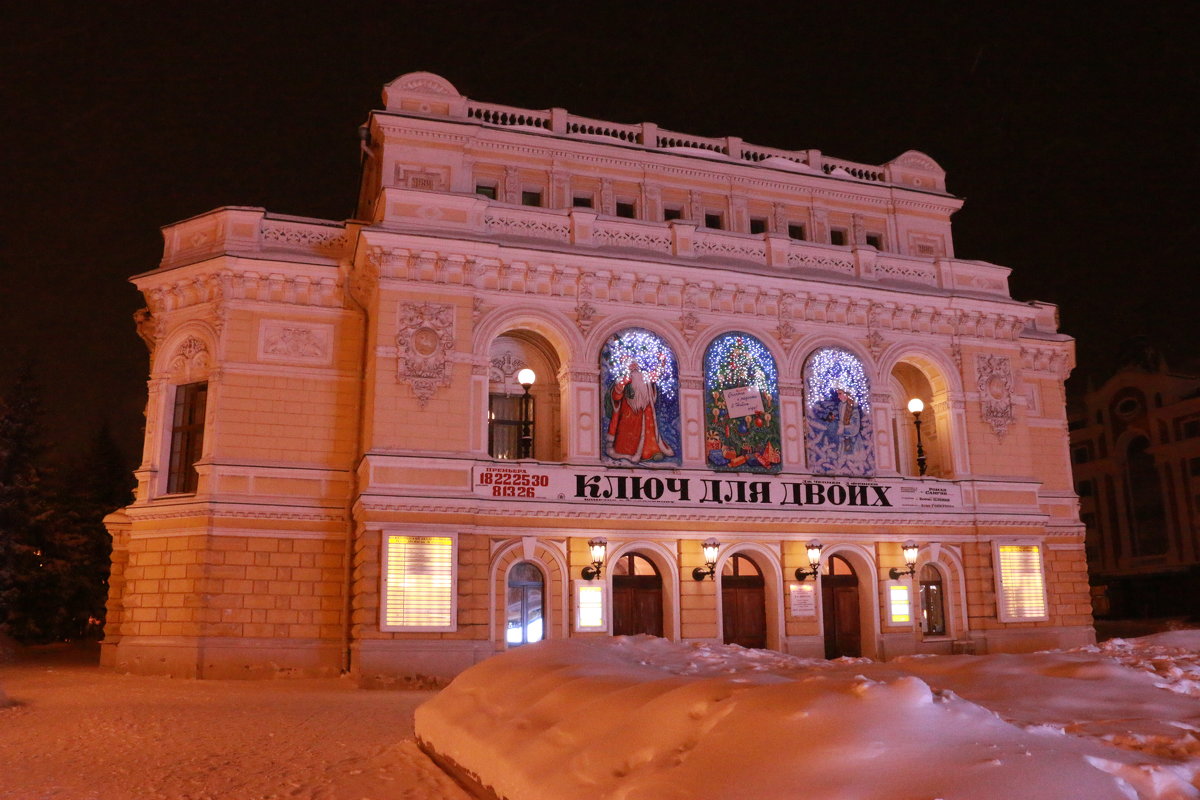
column 837, row 401
column 750, row 442
column 647, row 436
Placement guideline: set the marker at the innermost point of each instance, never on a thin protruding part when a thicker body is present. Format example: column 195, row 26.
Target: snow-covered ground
column 78, row 732
column 645, row 719
column 629, row 718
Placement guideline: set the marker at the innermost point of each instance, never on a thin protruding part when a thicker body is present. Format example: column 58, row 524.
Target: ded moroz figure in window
column 633, row 433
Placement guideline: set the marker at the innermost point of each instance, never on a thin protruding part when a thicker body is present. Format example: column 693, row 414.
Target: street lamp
column 910, row 562
column 814, row 562
column 710, row 547
column 916, row 407
column 526, row 377
column 598, row 548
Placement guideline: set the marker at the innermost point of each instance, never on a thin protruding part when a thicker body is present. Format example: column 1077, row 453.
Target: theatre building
column 564, row 377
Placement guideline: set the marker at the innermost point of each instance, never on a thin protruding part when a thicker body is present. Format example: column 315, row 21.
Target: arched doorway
column 637, row 596
column 839, row 600
column 933, row 602
column 743, row 602
column 524, row 603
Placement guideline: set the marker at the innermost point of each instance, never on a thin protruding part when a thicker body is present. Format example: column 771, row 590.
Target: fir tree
column 27, row 576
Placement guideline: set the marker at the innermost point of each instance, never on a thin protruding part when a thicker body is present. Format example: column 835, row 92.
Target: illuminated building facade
column 552, row 359
column 1135, row 449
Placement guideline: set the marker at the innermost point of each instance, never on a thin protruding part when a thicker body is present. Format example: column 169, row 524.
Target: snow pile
column 640, row 718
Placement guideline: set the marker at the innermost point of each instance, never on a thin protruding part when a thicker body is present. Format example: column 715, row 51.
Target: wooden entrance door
column 637, row 596
column 743, row 603
column 839, row 596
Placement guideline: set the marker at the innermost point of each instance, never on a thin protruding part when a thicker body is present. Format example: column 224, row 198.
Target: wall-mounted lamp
column 598, row 548
column 526, row 378
column 915, row 407
column 814, row 562
column 910, row 562
column 711, row 547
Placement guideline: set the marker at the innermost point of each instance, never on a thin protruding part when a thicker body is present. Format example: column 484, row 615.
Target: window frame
column 185, row 441
column 385, row 569
column 998, row 575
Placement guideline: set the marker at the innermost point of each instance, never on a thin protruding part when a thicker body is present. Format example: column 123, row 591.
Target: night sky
column 1070, row 134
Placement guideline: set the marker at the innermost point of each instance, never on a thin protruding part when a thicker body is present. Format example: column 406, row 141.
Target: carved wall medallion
column 424, row 342
column 995, row 392
column 585, row 314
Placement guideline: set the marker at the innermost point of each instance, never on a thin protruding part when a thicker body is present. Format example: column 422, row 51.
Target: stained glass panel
column 741, row 402
column 640, row 407
column 837, row 400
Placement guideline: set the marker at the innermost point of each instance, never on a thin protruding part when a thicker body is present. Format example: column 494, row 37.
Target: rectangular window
column 758, row 225
column 670, row 213
column 899, row 604
column 589, row 606
column 1194, row 467
column 531, row 197
column 626, row 210
column 1021, row 589
column 713, row 221
column 1085, row 489
column 1081, row 454
column 796, row 231
column 582, row 201
column 875, row 240
column 837, row 236
column 187, row 437
column 418, row 583
column 505, row 426
column 1191, row 429
column 486, row 190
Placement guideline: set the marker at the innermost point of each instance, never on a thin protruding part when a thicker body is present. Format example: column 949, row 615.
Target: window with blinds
column 1021, row 583
column 418, row 583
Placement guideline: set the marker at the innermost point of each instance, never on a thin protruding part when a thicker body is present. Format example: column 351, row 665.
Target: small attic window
column 486, row 190
column 758, row 225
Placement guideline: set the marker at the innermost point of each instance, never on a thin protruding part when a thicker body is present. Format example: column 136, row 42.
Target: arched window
column 741, row 402
column 933, row 602
column 526, row 616
column 837, row 404
column 1145, row 500
column 640, row 404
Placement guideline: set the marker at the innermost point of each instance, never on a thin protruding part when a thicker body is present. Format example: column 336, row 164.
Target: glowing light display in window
column 640, row 407
column 900, row 604
column 418, row 582
column 837, row 402
column 1022, row 594
column 589, row 606
column 741, row 405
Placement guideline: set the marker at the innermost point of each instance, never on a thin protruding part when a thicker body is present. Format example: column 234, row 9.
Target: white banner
column 700, row 489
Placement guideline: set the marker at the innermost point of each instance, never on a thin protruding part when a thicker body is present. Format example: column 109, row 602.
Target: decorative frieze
column 280, row 341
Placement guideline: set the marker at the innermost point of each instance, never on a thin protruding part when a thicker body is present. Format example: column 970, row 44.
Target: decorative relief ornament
column 995, row 392
column 423, row 346
column 689, row 324
column 875, row 343
column 147, row 327
column 585, row 314
column 191, row 362
column 506, row 366
column 295, row 342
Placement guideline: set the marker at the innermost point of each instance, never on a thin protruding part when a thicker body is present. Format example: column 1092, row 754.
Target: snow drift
column 641, row 718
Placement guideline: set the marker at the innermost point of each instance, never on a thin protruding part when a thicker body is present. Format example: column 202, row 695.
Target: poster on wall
column 640, row 414
column 741, row 402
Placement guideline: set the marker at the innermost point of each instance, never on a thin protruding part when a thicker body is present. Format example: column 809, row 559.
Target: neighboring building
column 1135, row 447
column 342, row 470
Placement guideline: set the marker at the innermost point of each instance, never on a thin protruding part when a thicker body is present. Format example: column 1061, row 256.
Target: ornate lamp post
column 916, row 407
column 526, row 377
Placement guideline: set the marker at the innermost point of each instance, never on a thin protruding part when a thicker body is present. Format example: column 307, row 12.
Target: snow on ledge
column 641, row 718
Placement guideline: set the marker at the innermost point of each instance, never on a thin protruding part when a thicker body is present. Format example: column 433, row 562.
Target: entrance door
column 743, row 603
column 839, row 596
column 637, row 596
